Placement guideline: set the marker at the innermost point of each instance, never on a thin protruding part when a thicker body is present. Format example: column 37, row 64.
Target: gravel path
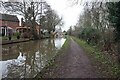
column 73, row 64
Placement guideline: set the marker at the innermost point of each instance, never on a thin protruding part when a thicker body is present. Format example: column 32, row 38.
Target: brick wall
column 9, row 23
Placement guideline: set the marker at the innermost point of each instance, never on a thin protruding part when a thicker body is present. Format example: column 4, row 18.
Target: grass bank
column 104, row 65
column 52, row 63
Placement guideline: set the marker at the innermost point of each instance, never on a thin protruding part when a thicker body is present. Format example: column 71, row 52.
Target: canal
column 27, row 59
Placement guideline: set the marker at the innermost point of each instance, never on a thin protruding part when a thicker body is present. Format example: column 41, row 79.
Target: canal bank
column 5, row 42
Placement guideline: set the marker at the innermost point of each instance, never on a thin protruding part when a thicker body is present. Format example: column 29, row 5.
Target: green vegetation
column 114, row 18
column 17, row 35
column 4, row 38
column 112, row 67
column 66, row 44
column 91, row 35
column 13, row 37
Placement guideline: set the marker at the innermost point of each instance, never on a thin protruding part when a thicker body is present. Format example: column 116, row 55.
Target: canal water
column 27, row 59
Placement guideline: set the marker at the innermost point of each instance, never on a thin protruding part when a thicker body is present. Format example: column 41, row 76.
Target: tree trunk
column 34, row 32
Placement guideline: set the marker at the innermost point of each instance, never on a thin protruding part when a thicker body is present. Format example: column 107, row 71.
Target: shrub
column 91, row 35
column 17, row 34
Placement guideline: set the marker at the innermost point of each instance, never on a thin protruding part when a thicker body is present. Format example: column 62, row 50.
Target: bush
column 17, row 34
column 91, row 35
column 26, row 35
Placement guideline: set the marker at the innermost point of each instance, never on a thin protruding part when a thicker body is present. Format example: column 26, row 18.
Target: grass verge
column 105, row 66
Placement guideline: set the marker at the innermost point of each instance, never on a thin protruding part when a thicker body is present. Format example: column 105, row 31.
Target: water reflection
column 59, row 42
column 25, row 60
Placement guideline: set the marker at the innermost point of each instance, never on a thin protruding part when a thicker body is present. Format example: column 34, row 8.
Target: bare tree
column 51, row 19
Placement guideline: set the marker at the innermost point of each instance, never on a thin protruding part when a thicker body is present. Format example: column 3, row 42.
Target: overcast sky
column 69, row 13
